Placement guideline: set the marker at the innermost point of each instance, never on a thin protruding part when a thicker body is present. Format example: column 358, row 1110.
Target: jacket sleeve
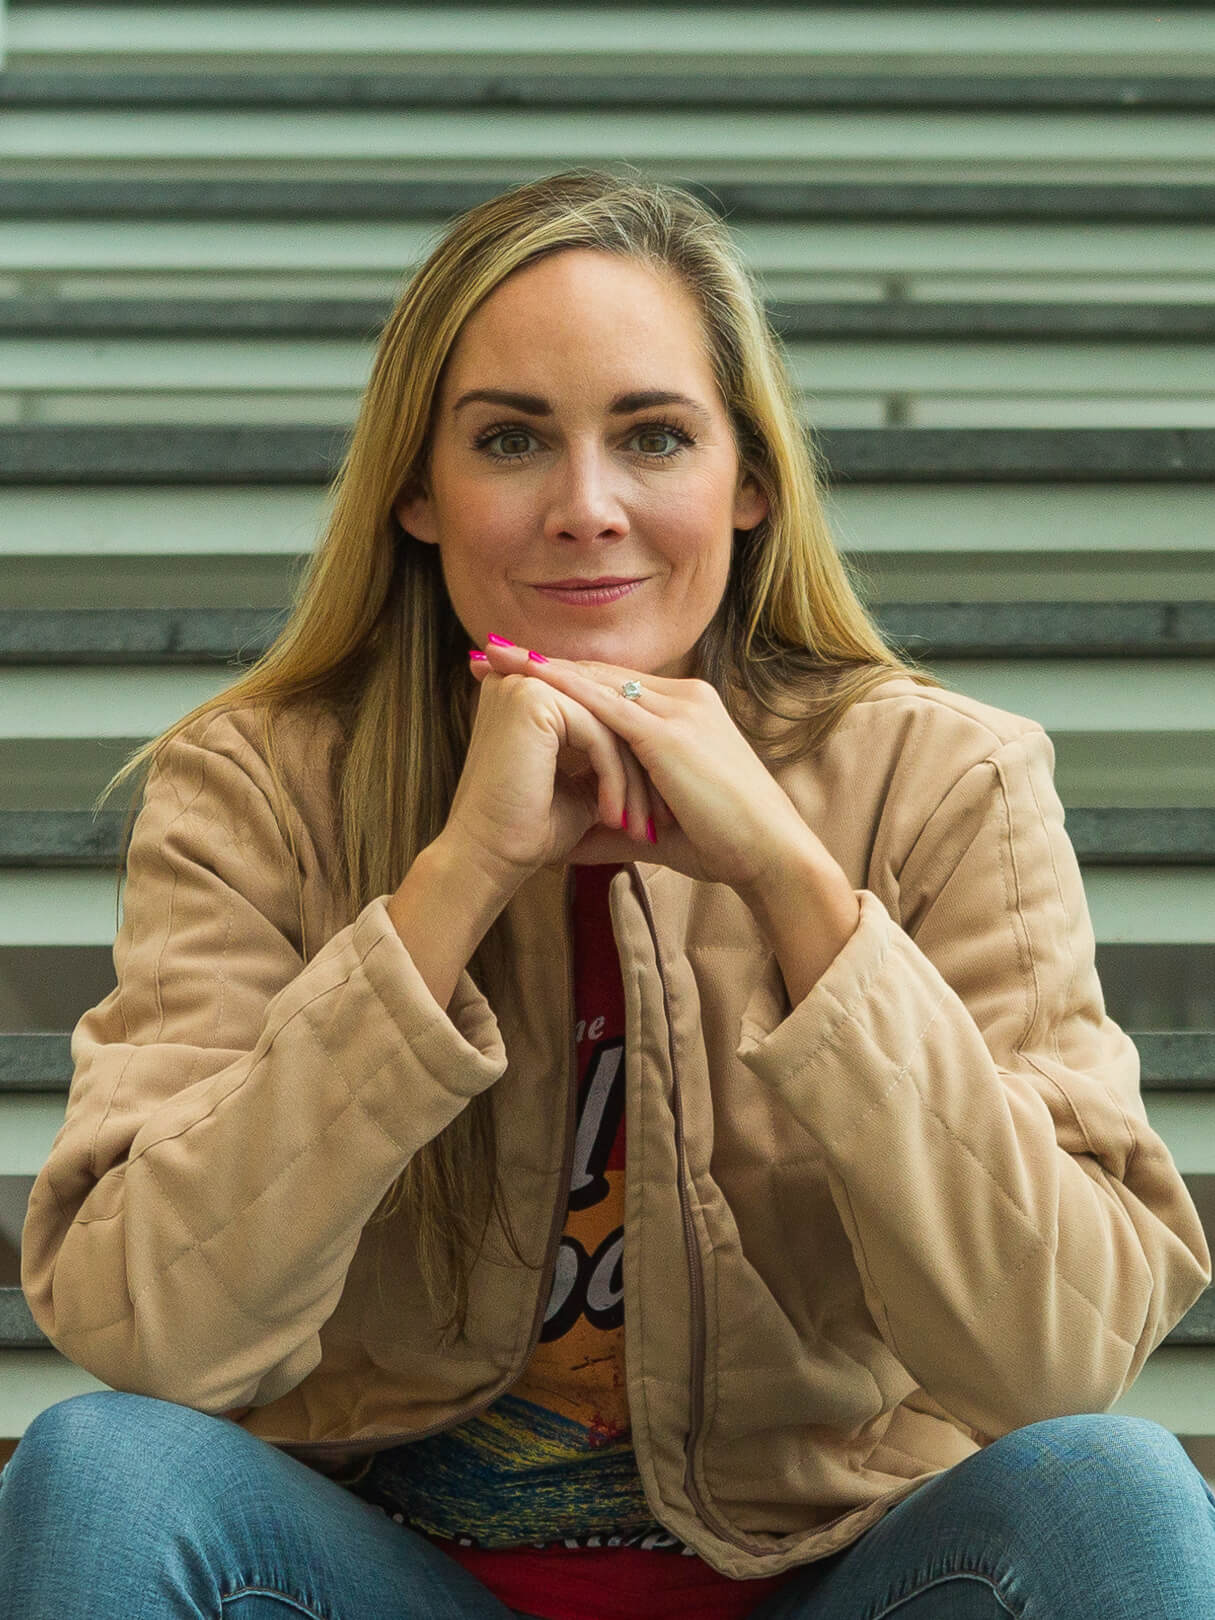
column 235, row 1116
column 1023, row 1237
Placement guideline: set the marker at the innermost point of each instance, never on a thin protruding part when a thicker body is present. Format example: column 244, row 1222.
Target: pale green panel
column 1145, row 770
column 1186, row 1124
column 276, row 246
column 1083, row 525
column 1039, row 370
column 692, row 145
column 1185, row 1121
column 1107, row 695
column 1176, row 1389
column 785, row 255
column 1087, row 695
column 28, row 1127
column 894, row 518
column 101, row 702
column 1051, row 410
column 280, row 409
column 1006, row 38
column 1024, row 367
column 53, row 907
column 159, row 522
column 1127, row 905
column 32, row 1380
column 1141, row 905
column 161, row 366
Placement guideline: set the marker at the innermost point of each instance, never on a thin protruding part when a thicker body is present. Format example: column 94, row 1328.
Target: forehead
column 582, row 312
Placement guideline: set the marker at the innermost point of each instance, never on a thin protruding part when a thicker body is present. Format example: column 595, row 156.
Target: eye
column 660, row 440
column 506, row 443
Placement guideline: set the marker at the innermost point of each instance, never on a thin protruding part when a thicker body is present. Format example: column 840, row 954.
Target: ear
column 414, row 511
column 750, row 503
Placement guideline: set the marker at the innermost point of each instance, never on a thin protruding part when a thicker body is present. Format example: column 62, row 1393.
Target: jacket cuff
column 461, row 1045
column 780, row 1045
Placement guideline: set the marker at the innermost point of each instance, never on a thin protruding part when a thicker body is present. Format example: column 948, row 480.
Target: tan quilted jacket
column 863, row 1235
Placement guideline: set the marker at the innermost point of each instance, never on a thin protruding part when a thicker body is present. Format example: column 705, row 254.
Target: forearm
column 442, row 910
column 808, row 911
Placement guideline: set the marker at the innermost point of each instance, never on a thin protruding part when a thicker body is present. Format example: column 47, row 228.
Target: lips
column 586, row 584
column 586, row 595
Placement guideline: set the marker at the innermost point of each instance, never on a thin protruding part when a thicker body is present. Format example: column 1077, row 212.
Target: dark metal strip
column 1102, row 836
column 928, row 630
column 863, row 320
column 1148, row 203
column 475, row 86
column 18, row 1330
column 739, row 6
column 35, row 1062
column 924, row 630
column 1170, row 1060
column 136, row 635
column 148, row 453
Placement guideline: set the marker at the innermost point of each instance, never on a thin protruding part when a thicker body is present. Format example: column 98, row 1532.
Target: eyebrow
column 644, row 399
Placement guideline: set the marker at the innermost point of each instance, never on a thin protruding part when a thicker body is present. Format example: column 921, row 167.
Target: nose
column 583, row 500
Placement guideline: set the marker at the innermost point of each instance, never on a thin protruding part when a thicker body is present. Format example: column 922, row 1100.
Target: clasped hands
column 719, row 816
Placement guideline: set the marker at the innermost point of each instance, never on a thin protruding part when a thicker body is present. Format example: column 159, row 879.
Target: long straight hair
column 372, row 632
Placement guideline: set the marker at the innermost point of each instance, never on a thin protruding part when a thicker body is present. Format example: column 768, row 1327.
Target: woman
column 418, row 935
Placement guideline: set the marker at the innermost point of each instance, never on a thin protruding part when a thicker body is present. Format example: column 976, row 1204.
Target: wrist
column 472, row 871
column 807, row 910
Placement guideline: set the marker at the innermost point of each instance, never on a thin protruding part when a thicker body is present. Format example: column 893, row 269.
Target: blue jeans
column 120, row 1507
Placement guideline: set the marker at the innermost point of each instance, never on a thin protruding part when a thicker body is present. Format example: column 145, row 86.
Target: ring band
column 631, row 689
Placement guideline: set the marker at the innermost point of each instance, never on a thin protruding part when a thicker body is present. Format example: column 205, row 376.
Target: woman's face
column 579, row 435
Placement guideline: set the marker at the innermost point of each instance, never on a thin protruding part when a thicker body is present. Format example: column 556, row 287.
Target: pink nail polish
column 649, row 830
column 474, row 653
column 537, row 658
column 500, row 641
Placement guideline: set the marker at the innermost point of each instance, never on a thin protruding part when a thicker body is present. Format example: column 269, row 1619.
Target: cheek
column 481, row 533
column 692, row 522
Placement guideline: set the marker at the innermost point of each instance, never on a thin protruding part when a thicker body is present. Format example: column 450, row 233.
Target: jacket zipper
column 695, row 1276
column 382, row 1442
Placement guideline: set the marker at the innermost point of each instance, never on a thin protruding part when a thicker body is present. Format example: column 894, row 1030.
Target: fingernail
column 537, row 658
column 500, row 641
column 475, row 652
column 649, row 830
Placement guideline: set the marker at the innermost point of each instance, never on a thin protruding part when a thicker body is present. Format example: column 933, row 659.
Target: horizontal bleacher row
column 39, row 454
column 928, row 630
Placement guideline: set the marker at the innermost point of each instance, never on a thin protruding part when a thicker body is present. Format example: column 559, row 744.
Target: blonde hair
column 373, row 633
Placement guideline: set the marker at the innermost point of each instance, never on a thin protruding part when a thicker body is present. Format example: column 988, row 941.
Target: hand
column 719, row 815
column 540, row 771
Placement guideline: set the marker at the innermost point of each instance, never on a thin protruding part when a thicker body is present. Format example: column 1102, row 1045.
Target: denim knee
column 1135, row 1447
column 1091, row 1465
column 88, row 1443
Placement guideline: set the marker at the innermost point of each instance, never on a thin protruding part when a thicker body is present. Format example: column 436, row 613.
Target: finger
column 596, row 685
column 660, row 696
column 637, row 807
column 603, row 748
column 661, row 809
